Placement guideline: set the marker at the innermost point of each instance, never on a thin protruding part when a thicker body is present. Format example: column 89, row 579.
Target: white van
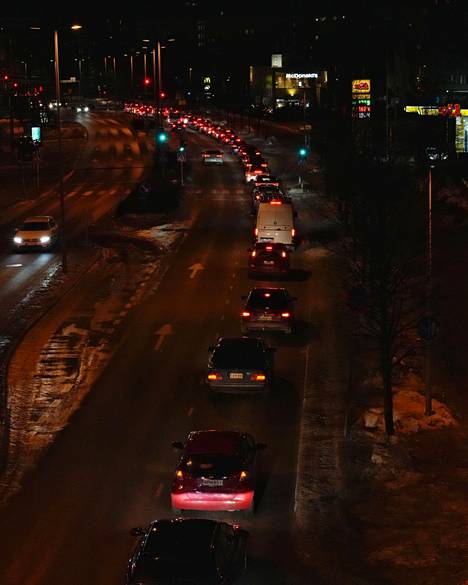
column 275, row 223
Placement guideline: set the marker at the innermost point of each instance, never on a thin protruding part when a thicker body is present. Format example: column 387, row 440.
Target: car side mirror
column 177, row 444
column 137, row 531
column 260, row 446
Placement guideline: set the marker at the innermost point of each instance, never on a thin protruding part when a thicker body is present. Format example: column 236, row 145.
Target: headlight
column 18, row 240
column 45, row 239
column 78, row 109
column 86, row 109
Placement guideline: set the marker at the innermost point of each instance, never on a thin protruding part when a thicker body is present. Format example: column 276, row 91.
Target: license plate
column 211, row 482
column 269, row 262
column 265, row 318
column 235, row 376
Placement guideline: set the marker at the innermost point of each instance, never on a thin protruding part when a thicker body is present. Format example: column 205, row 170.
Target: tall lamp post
column 59, row 132
column 434, row 155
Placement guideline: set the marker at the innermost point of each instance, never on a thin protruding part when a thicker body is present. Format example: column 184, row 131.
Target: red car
column 216, row 471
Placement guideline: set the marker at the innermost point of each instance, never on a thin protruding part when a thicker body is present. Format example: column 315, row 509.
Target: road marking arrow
column 195, row 268
column 162, row 334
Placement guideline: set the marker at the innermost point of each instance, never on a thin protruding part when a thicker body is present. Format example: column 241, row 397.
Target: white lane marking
column 112, row 191
column 13, row 265
column 195, row 268
column 162, row 334
column 190, row 411
column 222, row 317
column 159, row 490
column 87, row 193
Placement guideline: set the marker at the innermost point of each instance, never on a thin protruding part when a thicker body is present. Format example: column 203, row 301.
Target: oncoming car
column 216, row 471
column 39, row 231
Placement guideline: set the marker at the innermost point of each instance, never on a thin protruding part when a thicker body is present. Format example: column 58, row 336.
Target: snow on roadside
column 165, row 235
column 408, row 410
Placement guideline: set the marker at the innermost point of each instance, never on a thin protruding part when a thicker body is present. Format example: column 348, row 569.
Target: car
column 240, row 364
column 216, row 471
column 81, row 108
column 268, row 259
column 265, row 194
column 39, row 231
column 275, row 223
column 269, row 180
column 212, row 156
column 268, row 309
column 188, row 551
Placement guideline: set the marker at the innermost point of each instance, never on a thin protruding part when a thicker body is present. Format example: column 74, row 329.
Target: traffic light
column 161, row 136
column 303, row 153
column 162, row 95
column 147, row 81
column 182, row 148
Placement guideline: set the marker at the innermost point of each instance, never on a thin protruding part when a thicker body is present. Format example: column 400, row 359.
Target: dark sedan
column 268, row 259
column 268, row 309
column 240, row 364
column 188, row 552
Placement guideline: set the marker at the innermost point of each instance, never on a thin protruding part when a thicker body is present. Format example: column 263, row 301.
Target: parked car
column 240, row 364
column 188, row 551
column 216, row 471
column 268, row 309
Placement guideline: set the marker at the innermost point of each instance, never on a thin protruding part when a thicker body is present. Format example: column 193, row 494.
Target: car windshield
column 239, row 354
column 268, row 299
column 34, row 226
column 213, row 152
column 214, row 463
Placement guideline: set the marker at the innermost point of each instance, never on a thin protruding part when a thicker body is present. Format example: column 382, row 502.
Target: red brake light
column 245, row 314
column 215, row 376
column 285, row 315
column 267, row 295
column 276, row 202
column 293, row 232
column 283, row 254
column 254, row 253
column 256, row 231
column 269, row 248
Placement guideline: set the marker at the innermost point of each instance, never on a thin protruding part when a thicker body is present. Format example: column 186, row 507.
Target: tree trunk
column 386, row 371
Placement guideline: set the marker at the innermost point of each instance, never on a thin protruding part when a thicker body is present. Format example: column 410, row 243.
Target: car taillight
column 293, row 232
column 269, row 248
column 258, row 377
column 215, row 376
column 256, row 231
column 285, row 315
column 283, row 254
column 243, row 475
column 276, row 202
column 179, row 474
column 254, row 253
column 245, row 314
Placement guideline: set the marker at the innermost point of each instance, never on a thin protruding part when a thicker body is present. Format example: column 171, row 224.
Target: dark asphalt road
column 111, row 468
column 109, row 166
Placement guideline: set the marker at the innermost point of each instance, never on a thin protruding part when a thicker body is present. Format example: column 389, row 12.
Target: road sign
column 428, row 328
column 181, row 157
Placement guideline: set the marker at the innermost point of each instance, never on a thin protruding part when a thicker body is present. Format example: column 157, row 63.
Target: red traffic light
column 5, row 77
column 162, row 94
column 147, row 81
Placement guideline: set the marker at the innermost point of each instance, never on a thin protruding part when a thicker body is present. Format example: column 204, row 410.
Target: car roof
column 213, row 441
column 38, row 218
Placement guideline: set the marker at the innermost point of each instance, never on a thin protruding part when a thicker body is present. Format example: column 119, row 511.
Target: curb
column 4, row 369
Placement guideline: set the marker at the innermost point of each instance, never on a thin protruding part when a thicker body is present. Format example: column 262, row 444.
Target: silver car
column 39, row 231
column 213, row 156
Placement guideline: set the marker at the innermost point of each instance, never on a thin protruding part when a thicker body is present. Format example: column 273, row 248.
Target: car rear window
column 35, row 226
column 239, row 355
column 215, row 463
column 268, row 299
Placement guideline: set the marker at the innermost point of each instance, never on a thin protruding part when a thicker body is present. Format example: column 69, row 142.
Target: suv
column 268, row 258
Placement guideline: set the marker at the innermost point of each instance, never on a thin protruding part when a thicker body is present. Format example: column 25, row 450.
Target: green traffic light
column 303, row 152
column 162, row 137
column 181, row 148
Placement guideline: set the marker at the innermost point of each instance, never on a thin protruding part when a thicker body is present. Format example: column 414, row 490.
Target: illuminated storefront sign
column 277, row 60
column 461, row 134
column 301, row 75
column 361, row 98
column 451, row 110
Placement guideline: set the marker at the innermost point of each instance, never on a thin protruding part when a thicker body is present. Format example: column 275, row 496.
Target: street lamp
column 434, row 155
column 59, row 132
